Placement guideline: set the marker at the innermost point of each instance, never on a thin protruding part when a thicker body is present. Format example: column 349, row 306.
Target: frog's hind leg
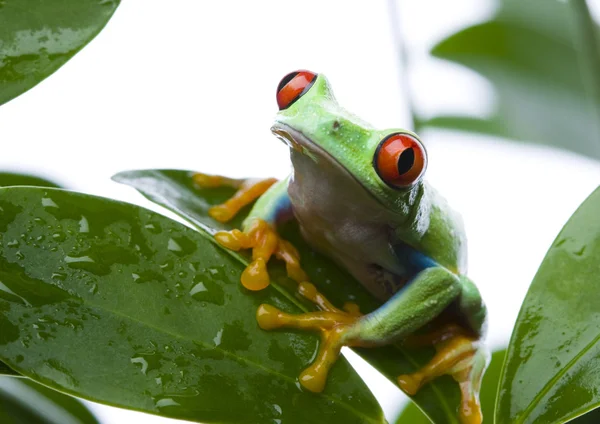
column 247, row 192
column 461, row 356
column 428, row 295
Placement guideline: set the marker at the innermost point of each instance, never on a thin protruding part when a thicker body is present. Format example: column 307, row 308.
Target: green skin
column 406, row 246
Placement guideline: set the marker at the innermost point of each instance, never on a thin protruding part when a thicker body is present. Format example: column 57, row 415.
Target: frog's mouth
column 294, row 139
column 302, row 144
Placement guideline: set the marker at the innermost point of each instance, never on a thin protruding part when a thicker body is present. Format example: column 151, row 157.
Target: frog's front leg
column 259, row 228
column 427, row 295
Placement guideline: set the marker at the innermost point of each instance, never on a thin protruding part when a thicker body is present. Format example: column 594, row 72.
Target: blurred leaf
column 38, row 36
column 529, row 52
column 24, row 402
column 489, row 388
column 551, row 373
column 12, row 179
column 176, row 191
column 117, row 304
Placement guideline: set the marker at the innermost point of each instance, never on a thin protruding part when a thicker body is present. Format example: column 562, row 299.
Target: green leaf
column 529, row 53
column 489, row 388
column 24, row 402
column 176, row 191
column 6, row 370
column 551, row 373
column 38, row 36
column 117, row 304
column 12, row 179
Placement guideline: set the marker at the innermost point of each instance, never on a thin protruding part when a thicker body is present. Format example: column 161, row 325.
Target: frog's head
column 389, row 164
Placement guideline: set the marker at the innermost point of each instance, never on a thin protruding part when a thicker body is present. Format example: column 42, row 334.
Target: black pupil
column 285, row 80
column 406, row 161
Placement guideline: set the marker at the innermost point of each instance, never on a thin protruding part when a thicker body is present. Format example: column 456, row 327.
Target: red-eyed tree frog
column 359, row 197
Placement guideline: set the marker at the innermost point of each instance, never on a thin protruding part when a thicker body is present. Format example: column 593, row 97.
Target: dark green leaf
column 529, row 52
column 24, row 402
column 38, row 36
column 6, row 370
column 176, row 191
column 489, row 388
column 592, row 417
column 551, row 373
column 12, row 179
column 114, row 303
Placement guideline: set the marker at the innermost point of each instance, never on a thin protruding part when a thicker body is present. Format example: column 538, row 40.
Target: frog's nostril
column 293, row 86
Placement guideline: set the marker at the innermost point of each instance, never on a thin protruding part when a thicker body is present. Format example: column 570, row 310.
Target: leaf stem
column 589, row 53
column 403, row 61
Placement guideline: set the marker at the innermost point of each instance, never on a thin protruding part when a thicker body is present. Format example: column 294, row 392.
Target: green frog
column 359, row 197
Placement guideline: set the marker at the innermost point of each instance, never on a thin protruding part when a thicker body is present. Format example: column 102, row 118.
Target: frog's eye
column 400, row 160
column 293, row 86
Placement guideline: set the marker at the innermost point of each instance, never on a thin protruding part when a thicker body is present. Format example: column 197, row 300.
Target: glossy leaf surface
column 176, row 191
column 529, row 52
column 13, row 179
column 489, row 388
column 24, row 402
column 118, row 304
column 551, row 373
column 38, row 36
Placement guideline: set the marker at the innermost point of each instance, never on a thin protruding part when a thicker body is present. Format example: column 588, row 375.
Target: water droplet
column 59, row 236
column 84, row 226
column 78, row 259
column 93, row 289
column 14, row 243
column 218, row 337
column 48, row 203
column 173, row 246
column 20, row 256
column 181, row 246
column 161, row 403
column 142, row 361
column 59, row 276
column 207, row 291
column 167, row 266
column 153, row 228
column 198, row 288
column 146, row 276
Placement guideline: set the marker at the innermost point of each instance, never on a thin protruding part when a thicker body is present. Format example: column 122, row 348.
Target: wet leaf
column 13, row 179
column 529, row 53
column 38, row 36
column 24, row 402
column 551, row 373
column 117, row 304
column 176, row 191
column 489, row 388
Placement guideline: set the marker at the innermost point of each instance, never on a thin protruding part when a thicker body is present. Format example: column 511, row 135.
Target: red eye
column 400, row 160
column 293, row 86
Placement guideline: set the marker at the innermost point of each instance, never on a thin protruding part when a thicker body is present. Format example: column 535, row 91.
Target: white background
column 191, row 85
